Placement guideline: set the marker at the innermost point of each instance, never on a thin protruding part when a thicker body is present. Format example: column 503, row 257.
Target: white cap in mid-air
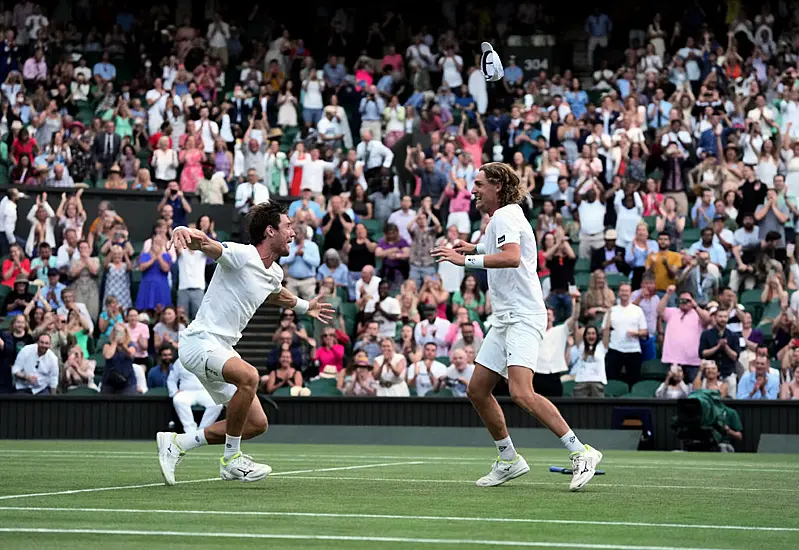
column 490, row 64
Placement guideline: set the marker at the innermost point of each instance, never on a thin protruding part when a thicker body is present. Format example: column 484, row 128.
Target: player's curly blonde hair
column 512, row 191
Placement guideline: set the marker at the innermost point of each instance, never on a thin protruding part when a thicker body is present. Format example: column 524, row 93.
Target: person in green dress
column 471, row 297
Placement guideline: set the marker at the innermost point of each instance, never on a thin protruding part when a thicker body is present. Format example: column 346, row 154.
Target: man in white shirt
column 68, row 298
column 458, row 374
column 191, row 281
column 552, row 354
column 329, row 129
column 432, row 330
column 156, row 106
column 403, row 217
column 424, row 374
column 68, row 251
column 313, row 171
column 8, row 221
column 36, row 369
column 591, row 213
column 186, row 391
column 385, row 310
column 627, row 324
column 366, row 288
column 374, row 155
column 209, row 131
column 250, row 192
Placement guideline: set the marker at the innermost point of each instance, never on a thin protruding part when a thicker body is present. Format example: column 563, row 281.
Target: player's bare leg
column 245, row 420
column 509, row 464
column 584, row 458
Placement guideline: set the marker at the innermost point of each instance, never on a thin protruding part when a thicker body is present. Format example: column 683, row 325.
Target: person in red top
column 15, row 265
column 24, row 146
column 471, row 142
column 166, row 130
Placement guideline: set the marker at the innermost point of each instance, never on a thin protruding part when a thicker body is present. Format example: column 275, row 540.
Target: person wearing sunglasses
column 36, row 369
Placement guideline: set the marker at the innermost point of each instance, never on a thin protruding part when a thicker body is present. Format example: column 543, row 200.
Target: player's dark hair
column 261, row 216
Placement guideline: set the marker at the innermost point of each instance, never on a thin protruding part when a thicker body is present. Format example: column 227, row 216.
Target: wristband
column 475, row 262
column 301, row 306
column 480, row 248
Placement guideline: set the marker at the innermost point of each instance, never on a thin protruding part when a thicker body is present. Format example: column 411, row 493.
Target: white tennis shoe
column 503, row 470
column 243, row 468
column 169, row 455
column 584, row 465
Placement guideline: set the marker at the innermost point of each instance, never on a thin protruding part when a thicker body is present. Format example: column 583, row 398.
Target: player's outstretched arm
column 510, row 255
column 316, row 308
column 184, row 238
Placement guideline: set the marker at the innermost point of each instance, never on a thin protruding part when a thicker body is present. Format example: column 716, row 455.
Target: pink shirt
column 460, row 201
column 474, row 149
column 141, row 331
column 33, row 70
column 333, row 356
column 681, row 338
column 394, row 60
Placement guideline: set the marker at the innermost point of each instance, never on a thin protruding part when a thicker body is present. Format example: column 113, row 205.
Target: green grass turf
column 436, row 493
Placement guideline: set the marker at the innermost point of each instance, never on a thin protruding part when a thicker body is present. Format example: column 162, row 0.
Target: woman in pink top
column 454, row 332
column 460, row 200
column 330, row 352
column 139, row 336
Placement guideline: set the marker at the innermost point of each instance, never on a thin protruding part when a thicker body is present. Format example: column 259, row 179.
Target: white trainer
column 503, row 470
column 584, row 467
column 243, row 468
column 169, row 455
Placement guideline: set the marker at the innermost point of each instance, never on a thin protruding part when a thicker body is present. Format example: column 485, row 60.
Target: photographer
column 423, row 229
column 119, row 377
column 173, row 196
column 371, row 109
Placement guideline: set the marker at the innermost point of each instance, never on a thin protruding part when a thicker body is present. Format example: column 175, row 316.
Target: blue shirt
column 38, row 265
column 416, row 100
column 111, row 322
column 372, row 109
column 156, row 377
column 701, row 222
column 514, row 74
column 652, row 114
column 598, row 25
column 178, row 213
column 717, row 253
column 747, row 383
column 313, row 206
column 341, row 275
column 55, row 301
column 106, row 70
column 577, row 102
column 465, row 101
column 385, row 84
column 302, row 267
column 335, row 74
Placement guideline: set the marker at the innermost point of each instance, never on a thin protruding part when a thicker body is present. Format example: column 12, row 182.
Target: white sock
column 506, row 449
column 232, row 446
column 571, row 442
column 191, row 440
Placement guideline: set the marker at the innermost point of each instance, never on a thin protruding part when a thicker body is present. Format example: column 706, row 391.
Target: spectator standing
column 301, row 265
column 721, row 345
column 646, row 298
column 560, row 262
column 552, row 358
column 681, row 337
column 191, row 280
column 627, row 327
column 118, row 375
column 174, row 197
column 35, row 369
column 337, row 225
column 86, row 274
column 385, row 310
column 390, row 370
column 155, row 266
column 117, row 276
column 15, row 265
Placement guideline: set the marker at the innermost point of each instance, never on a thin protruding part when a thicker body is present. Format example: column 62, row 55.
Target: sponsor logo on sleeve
column 501, row 239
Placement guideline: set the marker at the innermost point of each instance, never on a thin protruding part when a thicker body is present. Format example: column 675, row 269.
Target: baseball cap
column 490, row 64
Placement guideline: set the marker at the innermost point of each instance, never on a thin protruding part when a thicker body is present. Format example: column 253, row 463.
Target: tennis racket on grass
column 569, row 471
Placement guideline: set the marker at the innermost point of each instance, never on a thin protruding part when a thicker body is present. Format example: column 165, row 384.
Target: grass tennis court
column 110, row 495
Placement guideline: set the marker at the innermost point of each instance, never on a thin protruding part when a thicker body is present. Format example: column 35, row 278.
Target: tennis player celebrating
column 510, row 349
column 245, row 277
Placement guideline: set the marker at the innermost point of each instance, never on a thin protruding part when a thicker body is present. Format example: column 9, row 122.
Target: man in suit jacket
column 107, row 146
column 240, row 108
column 609, row 258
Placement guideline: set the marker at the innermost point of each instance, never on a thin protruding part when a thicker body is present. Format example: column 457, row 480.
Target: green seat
column 690, row 236
column 654, row 369
column 4, row 291
column 349, row 311
column 616, row 279
column 444, row 360
column 343, row 294
column 82, row 390
column 222, row 235
column 323, row 386
column 583, row 265
column 750, row 297
column 582, row 280
column 443, row 392
column 616, row 388
column 568, row 388
column 650, row 222
column 162, row 390
column 285, row 390
column 645, row 388
column 373, row 227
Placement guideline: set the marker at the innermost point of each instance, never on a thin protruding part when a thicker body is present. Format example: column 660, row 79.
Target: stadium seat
column 444, row 360
column 443, row 392
column 616, row 388
column 373, row 227
column 644, row 388
column 581, row 280
column 568, row 388
column 690, row 236
column 82, row 390
column 323, row 386
column 583, row 265
column 284, row 391
column 654, row 369
column 161, row 391
column 343, row 294
column 616, row 279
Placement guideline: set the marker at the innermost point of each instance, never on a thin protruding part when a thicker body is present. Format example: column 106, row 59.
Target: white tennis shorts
column 512, row 343
column 204, row 354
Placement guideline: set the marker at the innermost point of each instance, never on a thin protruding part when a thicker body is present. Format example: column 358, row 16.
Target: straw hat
column 329, row 371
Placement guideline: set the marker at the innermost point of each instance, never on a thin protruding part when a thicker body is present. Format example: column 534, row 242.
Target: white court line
column 627, row 461
column 145, row 485
column 472, row 542
column 721, row 527
column 593, row 484
column 645, row 465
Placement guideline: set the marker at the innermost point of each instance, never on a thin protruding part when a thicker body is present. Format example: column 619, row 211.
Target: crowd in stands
column 663, row 195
